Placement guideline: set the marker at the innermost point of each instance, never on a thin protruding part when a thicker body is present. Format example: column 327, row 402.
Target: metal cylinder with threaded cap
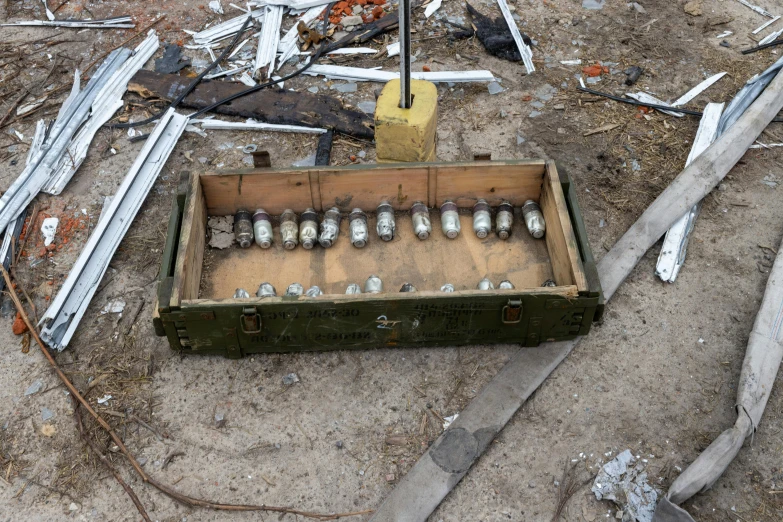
column 449, row 219
column 330, row 227
column 266, row 290
column 420, row 216
column 243, row 228
column 308, row 229
column 289, row 229
column 485, row 284
column 504, row 220
column 385, row 225
column 262, row 228
column 294, row 289
column 534, row 219
column 482, row 220
column 373, row 285
column 358, row 228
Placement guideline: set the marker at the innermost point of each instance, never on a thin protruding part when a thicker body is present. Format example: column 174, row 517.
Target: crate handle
column 512, row 312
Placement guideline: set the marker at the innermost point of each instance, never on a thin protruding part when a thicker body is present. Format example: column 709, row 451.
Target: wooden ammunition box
column 197, row 313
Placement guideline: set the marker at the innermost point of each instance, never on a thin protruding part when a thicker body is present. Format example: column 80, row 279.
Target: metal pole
column 406, row 99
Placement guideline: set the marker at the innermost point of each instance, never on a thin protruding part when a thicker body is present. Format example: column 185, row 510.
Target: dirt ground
column 658, row 376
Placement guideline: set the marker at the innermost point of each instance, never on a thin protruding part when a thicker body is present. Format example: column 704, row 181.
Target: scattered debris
column 571, row 62
column 220, row 420
column 632, row 74
column 724, row 34
column 46, row 414
column 448, row 420
column 120, row 22
column 115, row 306
column 268, row 105
column 172, row 61
column 433, row 6
column 604, row 128
column 626, row 485
column 693, row 8
column 49, row 229
column 593, row 5
column 215, row 7
column 34, row 388
column 290, row 379
column 771, row 181
column 496, row 36
column 105, row 399
column 522, row 45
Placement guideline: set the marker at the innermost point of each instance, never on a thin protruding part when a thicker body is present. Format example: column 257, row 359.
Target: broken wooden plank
column 268, row 105
column 604, row 128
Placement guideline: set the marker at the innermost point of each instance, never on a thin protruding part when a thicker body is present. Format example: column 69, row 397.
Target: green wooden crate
column 197, row 313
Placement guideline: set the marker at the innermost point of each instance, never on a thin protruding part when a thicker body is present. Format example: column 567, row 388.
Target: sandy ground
column 658, row 376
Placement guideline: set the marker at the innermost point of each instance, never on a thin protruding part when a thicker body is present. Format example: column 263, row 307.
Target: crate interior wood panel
column 190, row 251
column 560, row 239
column 365, row 187
column 349, row 189
column 427, row 264
column 466, row 183
column 274, row 191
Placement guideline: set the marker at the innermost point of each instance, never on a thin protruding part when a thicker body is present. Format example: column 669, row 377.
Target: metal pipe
column 406, row 100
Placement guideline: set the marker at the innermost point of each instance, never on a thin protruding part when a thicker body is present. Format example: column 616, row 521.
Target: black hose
column 767, row 45
column 631, row 101
column 191, row 86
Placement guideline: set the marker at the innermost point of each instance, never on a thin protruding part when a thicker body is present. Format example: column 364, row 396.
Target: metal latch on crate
column 512, row 312
column 251, row 321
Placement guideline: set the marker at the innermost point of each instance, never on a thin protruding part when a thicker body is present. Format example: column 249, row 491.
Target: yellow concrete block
column 406, row 134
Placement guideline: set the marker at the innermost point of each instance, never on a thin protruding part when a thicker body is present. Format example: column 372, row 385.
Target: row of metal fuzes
column 307, row 231
column 373, row 285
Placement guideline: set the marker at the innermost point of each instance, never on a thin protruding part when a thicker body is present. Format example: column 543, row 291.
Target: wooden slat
column 560, row 239
column 432, row 186
column 348, row 189
column 272, row 190
column 190, row 251
column 495, row 182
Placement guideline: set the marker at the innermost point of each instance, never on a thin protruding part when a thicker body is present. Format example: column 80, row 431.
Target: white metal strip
column 765, row 25
column 256, row 125
column 68, row 307
column 756, row 8
column 774, row 35
column 644, row 97
column 675, row 243
column 374, row 75
column 700, row 88
column 524, row 50
column 269, row 39
column 106, row 103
